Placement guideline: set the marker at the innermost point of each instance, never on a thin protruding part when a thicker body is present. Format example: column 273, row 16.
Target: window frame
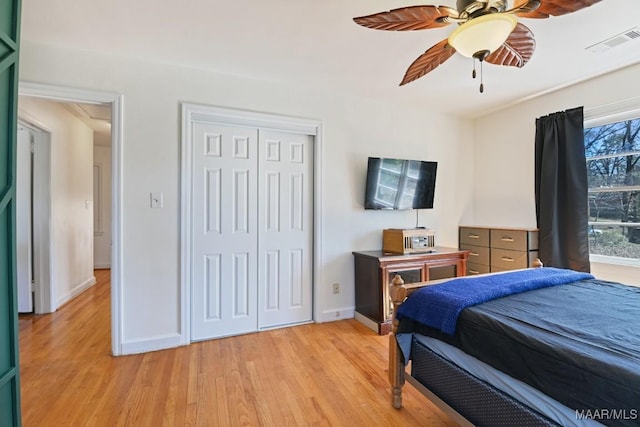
column 404, row 180
column 615, row 112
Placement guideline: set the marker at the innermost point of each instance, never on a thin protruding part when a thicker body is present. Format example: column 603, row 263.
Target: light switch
column 156, row 200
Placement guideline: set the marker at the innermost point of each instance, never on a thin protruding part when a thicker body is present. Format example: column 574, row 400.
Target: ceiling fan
column 488, row 30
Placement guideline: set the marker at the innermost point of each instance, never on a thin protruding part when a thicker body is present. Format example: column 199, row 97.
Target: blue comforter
column 439, row 305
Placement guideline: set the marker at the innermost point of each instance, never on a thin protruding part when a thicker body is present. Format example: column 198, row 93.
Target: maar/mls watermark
column 604, row 414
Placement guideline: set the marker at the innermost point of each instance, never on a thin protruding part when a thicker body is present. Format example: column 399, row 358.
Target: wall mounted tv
column 400, row 184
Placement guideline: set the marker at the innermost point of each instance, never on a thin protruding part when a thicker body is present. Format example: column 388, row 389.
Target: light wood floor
column 331, row 374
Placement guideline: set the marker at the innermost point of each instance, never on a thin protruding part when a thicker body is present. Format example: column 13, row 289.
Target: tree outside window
column 613, row 168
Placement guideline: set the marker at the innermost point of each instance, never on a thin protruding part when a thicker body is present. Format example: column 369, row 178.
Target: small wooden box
column 408, row 241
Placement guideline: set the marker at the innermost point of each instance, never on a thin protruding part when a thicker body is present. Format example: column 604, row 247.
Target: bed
column 536, row 347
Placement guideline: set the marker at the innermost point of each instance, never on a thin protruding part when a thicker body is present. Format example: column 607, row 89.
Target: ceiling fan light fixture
column 484, row 33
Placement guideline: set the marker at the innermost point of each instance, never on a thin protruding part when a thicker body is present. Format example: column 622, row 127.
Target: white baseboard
column 334, row 314
column 75, row 291
column 102, row 266
column 367, row 322
column 151, row 344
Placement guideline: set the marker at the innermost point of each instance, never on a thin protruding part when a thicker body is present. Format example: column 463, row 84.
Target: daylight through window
column 613, row 168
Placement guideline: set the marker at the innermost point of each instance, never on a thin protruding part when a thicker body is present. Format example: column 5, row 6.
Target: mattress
column 518, row 390
column 578, row 343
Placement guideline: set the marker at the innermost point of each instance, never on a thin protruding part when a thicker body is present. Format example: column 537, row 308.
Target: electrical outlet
column 336, row 288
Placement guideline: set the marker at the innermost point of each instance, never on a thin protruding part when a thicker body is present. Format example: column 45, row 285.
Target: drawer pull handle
column 507, row 239
column 474, row 272
column 506, row 258
column 474, row 236
column 474, row 254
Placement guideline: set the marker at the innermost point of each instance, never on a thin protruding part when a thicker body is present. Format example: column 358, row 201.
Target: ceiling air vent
column 610, row 43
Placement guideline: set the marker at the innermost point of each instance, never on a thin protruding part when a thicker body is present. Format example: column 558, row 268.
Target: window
column 613, row 169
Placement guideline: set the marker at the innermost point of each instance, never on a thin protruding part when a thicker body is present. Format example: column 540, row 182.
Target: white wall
column 504, row 163
column 102, row 205
column 353, row 128
column 71, row 196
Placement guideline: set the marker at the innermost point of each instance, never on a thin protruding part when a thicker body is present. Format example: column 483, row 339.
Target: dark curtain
column 561, row 190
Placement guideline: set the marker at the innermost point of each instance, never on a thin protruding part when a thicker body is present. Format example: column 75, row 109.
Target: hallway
column 64, row 348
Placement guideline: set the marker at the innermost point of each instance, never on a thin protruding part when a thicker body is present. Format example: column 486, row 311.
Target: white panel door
column 286, row 228
column 224, row 231
column 23, row 222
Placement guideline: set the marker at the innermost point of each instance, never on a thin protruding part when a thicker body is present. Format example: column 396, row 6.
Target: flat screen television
column 400, row 184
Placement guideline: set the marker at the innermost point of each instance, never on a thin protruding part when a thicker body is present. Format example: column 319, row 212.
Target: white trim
column 614, row 112
column 63, row 93
column 77, row 290
column 154, row 344
column 366, row 321
column 614, row 260
column 613, row 156
column 60, row 93
column 106, row 266
column 229, row 116
column 595, row 190
column 44, row 256
column 618, row 111
column 97, row 199
column 117, row 251
column 197, row 113
column 613, row 224
column 186, row 169
column 331, row 315
column 318, row 197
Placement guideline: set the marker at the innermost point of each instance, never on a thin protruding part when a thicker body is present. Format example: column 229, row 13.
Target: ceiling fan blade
column 428, row 61
column 517, row 50
column 549, row 8
column 408, row 18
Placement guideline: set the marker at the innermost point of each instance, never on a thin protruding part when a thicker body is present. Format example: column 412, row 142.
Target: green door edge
column 10, row 414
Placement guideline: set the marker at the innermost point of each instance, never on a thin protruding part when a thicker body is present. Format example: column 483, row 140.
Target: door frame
column 199, row 113
column 25, row 248
column 43, row 256
column 67, row 94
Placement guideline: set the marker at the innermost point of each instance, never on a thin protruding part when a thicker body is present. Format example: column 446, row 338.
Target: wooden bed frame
column 398, row 292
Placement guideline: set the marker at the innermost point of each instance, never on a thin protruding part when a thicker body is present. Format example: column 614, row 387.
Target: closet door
column 285, row 228
column 224, row 231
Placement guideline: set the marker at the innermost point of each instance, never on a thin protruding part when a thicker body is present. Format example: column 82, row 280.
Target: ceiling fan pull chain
column 473, row 74
column 481, row 83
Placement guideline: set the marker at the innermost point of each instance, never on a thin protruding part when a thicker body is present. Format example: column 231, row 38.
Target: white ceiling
column 96, row 116
column 315, row 42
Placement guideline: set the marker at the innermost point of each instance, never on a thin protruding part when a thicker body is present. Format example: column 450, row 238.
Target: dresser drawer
column 473, row 268
column 508, row 260
column 477, row 254
column 515, row 240
column 474, row 236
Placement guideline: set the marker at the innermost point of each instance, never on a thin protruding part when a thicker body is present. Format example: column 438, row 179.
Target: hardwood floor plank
column 328, row 374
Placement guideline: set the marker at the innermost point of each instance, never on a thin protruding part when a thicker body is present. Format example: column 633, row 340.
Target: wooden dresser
column 498, row 249
column 374, row 271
